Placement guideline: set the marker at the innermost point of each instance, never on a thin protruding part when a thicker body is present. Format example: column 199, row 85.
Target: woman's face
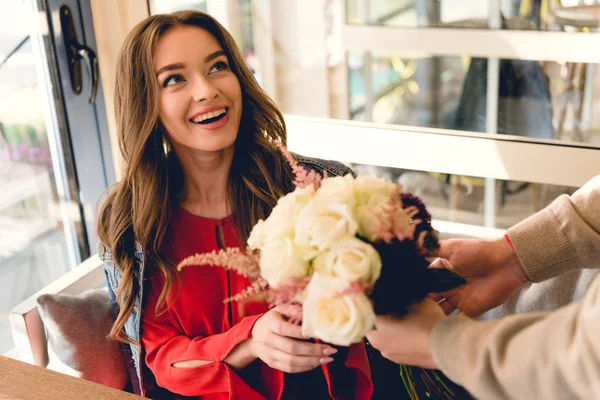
column 200, row 97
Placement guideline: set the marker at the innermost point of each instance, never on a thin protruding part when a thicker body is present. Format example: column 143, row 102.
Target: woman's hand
column 405, row 340
column 491, row 268
column 280, row 345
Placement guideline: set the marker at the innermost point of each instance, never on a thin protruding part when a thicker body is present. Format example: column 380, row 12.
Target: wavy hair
column 138, row 207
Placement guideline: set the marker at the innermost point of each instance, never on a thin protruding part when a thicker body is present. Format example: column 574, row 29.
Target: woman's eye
column 172, row 80
column 219, row 66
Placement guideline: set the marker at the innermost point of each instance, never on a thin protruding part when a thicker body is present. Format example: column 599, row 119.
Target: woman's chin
column 214, row 146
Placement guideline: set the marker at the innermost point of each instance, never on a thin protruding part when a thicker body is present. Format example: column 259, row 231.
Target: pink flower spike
column 287, row 294
column 257, row 288
column 245, row 264
column 303, row 177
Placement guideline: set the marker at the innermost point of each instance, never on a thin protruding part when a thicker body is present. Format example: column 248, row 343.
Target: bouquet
column 345, row 248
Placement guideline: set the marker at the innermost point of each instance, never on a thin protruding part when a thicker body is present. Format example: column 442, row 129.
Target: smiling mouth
column 211, row 119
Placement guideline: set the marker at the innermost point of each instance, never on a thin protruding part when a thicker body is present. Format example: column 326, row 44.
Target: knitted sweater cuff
column 541, row 244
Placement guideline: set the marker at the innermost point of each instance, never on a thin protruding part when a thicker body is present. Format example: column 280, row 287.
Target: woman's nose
column 204, row 90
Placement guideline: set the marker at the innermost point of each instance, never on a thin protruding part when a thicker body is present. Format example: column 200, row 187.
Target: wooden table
column 21, row 381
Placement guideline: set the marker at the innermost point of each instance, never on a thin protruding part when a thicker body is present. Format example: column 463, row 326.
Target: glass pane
column 550, row 15
column 34, row 249
column 167, row 6
column 418, row 13
column 532, row 94
column 402, row 90
column 515, row 14
column 461, row 199
column 540, row 100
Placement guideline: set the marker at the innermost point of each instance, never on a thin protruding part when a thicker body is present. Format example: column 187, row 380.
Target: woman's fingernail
column 326, row 360
column 329, row 351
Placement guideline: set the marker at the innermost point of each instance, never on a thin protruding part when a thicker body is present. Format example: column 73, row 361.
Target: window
column 49, row 179
column 493, row 99
column 34, row 249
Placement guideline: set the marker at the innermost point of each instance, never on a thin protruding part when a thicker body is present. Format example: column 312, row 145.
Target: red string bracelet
column 509, row 241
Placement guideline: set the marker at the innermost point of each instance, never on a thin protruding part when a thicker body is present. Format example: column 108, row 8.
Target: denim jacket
column 132, row 352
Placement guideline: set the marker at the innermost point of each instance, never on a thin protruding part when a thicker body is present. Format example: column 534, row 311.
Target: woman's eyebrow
column 170, row 67
column 175, row 66
column 214, row 55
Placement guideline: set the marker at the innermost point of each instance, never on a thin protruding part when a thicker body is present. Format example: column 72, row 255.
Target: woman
column 197, row 137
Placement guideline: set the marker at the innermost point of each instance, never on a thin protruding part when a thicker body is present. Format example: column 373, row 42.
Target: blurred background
column 485, row 109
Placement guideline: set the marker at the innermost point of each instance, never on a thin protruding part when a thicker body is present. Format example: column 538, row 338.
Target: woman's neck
column 205, row 183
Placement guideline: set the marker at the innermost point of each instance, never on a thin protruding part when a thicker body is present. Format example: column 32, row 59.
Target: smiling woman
column 200, row 97
column 198, row 137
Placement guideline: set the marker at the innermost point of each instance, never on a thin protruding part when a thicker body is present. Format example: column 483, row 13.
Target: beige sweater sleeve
column 562, row 237
column 543, row 355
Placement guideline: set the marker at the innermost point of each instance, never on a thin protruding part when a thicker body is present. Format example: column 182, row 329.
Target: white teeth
column 208, row 115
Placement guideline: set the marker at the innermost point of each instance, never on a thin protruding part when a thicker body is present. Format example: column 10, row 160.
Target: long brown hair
column 138, row 207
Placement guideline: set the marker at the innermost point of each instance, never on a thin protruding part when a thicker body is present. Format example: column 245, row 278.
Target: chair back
column 27, row 327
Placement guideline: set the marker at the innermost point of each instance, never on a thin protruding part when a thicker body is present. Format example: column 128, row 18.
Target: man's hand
column 406, row 340
column 491, row 268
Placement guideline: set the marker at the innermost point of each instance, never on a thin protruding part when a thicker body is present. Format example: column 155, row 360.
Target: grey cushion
column 77, row 329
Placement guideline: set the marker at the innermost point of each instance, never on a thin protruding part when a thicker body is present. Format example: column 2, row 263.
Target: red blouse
column 199, row 326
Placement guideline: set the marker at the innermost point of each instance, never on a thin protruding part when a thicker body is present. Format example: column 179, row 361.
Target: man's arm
column 544, row 355
column 562, row 237
column 530, row 356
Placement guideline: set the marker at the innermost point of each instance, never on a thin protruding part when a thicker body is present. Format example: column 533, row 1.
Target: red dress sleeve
column 165, row 343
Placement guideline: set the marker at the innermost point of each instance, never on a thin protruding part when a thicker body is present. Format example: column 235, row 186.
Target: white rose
column 279, row 262
column 369, row 216
column 367, row 186
column 373, row 197
column 350, row 259
column 258, row 235
column 319, row 225
column 334, row 318
column 282, row 219
column 339, row 189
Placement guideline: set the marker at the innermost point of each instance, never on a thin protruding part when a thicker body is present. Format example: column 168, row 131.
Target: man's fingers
column 374, row 337
column 439, row 298
column 437, row 263
column 445, row 306
column 442, row 263
column 446, row 248
column 382, row 322
column 435, row 297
